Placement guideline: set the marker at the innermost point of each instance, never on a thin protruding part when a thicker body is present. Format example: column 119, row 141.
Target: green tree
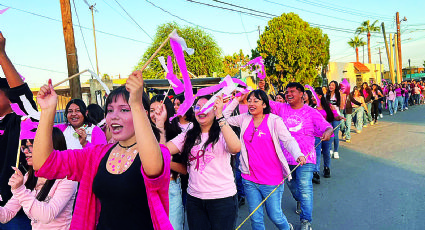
column 232, row 63
column 366, row 27
column 205, row 61
column 355, row 43
column 292, row 50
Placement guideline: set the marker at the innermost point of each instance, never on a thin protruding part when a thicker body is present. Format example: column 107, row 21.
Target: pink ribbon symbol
column 198, row 156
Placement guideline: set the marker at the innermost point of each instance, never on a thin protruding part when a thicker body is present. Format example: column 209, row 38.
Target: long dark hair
column 261, row 95
column 325, row 104
column 336, row 91
column 172, row 128
column 122, row 92
column 83, row 109
column 193, row 136
column 309, row 98
column 190, row 115
column 59, row 143
column 95, row 113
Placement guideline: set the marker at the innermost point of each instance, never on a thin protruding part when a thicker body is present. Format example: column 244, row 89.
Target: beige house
column 355, row 72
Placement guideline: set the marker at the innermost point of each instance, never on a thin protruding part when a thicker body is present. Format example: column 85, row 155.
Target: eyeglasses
column 28, row 147
column 253, row 133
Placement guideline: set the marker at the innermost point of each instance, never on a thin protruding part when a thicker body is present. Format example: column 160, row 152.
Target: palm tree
column 356, row 43
column 366, row 27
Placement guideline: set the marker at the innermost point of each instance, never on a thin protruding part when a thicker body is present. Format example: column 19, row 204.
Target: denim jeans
column 323, row 149
column 336, row 136
column 358, row 112
column 367, row 117
column 399, row 101
column 301, row 188
column 176, row 204
column 391, row 106
column 19, row 222
column 255, row 193
column 343, row 124
column 238, row 177
column 406, row 102
column 214, row 214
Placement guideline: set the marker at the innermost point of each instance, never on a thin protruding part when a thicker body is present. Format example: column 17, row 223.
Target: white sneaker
column 380, row 115
column 332, row 153
column 305, row 225
column 336, row 155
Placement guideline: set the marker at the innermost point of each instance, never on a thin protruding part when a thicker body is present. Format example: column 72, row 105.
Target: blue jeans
column 336, row 136
column 391, row 106
column 358, row 112
column 176, row 204
column 399, row 101
column 19, row 222
column 324, row 148
column 367, row 117
column 406, row 102
column 302, row 189
column 238, row 177
column 255, row 193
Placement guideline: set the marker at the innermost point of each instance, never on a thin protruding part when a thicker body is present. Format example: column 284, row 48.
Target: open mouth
column 202, row 115
column 116, row 127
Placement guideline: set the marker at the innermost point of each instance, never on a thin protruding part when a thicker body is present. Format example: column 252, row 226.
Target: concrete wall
column 339, row 70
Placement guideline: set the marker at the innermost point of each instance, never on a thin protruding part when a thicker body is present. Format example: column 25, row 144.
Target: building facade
column 355, row 72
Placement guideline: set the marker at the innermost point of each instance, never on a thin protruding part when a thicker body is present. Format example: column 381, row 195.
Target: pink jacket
column 54, row 213
column 82, row 164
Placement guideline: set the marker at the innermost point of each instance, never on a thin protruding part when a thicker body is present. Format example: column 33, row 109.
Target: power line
column 133, row 19
column 243, row 26
column 32, row 67
column 203, row 27
column 82, row 35
column 116, row 11
column 57, row 20
column 229, row 9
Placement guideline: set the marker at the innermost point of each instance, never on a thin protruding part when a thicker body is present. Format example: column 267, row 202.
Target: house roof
column 360, row 67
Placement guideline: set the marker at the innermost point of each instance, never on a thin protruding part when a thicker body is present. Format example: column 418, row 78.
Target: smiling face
column 280, row 99
column 153, row 107
column 120, row 119
column 74, row 116
column 176, row 104
column 27, row 149
column 202, row 118
column 294, row 96
column 255, row 105
column 332, row 87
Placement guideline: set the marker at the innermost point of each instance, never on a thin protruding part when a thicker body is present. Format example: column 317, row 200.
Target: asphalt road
column 378, row 182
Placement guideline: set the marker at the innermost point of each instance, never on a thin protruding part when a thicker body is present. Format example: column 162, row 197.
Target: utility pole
column 259, row 32
column 71, row 51
column 94, row 35
column 390, row 57
column 389, row 53
column 399, row 77
column 397, row 16
column 380, row 62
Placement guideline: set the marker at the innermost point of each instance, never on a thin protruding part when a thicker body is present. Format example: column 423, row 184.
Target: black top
column 124, row 203
column 10, row 126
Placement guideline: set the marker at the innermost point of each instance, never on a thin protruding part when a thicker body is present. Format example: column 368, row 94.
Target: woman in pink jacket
column 48, row 203
column 122, row 185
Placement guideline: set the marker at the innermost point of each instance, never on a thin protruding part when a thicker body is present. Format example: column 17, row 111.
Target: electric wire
column 191, row 23
column 133, row 19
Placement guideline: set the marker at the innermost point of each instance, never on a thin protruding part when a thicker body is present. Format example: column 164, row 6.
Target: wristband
column 219, row 119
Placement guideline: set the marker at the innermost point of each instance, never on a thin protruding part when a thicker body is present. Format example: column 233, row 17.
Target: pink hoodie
column 82, row 164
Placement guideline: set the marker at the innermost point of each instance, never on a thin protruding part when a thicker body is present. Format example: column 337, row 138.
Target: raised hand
column 82, row 136
column 160, row 115
column 47, row 97
column 2, row 44
column 17, row 179
column 218, row 107
column 134, row 86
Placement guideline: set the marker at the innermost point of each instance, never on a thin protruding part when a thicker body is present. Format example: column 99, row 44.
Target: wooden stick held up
column 18, row 154
column 69, row 78
column 156, row 52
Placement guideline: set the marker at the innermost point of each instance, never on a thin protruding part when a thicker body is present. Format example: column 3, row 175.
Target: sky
column 124, row 29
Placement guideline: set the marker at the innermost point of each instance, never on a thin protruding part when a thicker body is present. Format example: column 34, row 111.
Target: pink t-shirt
column 398, row 92
column 264, row 164
column 303, row 124
column 210, row 172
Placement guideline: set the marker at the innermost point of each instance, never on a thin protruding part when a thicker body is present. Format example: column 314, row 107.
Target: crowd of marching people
column 138, row 164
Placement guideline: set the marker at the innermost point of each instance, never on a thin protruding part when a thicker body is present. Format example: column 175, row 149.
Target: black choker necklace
column 127, row 147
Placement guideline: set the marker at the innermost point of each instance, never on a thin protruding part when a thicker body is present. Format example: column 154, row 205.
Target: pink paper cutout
column 239, row 81
column 258, row 61
column 345, row 87
column 4, row 10
column 17, row 109
column 177, row 85
column 314, row 94
column 1, row 132
column 188, row 91
column 211, row 89
column 26, row 126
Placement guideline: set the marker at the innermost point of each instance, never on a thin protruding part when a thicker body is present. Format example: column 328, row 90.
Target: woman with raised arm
column 122, row 185
column 263, row 163
column 207, row 149
column 48, row 203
